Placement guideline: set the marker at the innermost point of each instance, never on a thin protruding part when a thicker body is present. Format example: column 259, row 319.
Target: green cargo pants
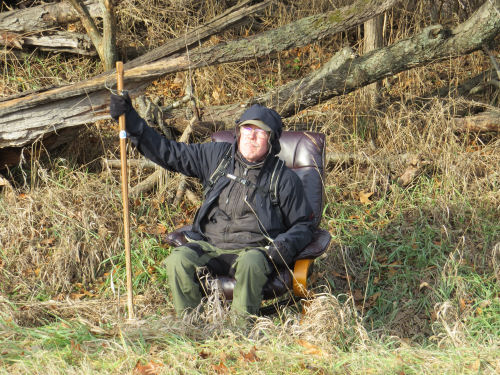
column 249, row 266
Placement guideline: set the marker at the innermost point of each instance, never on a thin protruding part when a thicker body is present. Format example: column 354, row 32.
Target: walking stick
column 126, row 214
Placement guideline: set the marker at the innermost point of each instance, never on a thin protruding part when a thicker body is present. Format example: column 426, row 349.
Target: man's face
column 253, row 143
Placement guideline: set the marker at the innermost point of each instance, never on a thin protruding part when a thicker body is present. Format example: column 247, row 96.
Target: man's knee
column 182, row 256
column 252, row 261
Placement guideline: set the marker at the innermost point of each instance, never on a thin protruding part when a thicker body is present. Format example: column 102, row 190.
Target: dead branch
column 146, row 185
column 28, row 117
column 488, row 121
column 43, row 17
column 105, row 44
column 133, row 163
column 185, row 138
column 493, row 60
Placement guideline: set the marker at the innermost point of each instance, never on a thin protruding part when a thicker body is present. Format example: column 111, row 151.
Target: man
column 242, row 228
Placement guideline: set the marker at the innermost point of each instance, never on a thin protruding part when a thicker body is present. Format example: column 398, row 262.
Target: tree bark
column 225, row 20
column 488, row 121
column 26, row 118
column 59, row 41
column 44, row 16
column 105, row 44
column 373, row 39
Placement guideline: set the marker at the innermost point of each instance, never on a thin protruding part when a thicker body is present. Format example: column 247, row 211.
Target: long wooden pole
column 126, row 213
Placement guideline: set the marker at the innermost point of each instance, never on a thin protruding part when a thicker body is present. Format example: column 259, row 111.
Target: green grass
column 69, row 348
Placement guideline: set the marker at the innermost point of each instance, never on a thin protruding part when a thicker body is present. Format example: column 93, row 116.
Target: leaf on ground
column 364, row 197
column 76, row 296
column 336, row 274
column 315, row 370
column 151, row 368
column 463, row 304
column 48, row 241
column 474, row 366
column 204, row 355
column 221, row 368
column 251, row 356
column 372, row 299
column 423, row 284
column 75, row 347
column 357, row 295
column 154, row 231
column 311, row 349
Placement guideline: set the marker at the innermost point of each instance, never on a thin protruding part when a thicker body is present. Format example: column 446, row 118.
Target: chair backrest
column 304, row 153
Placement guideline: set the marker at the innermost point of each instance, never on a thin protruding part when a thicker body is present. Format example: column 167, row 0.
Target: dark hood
column 270, row 117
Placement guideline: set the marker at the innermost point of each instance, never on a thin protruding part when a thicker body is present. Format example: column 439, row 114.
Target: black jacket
column 290, row 228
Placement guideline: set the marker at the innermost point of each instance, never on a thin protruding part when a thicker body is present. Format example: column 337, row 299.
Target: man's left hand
column 278, row 255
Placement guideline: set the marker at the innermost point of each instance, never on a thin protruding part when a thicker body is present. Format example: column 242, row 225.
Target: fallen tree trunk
column 488, row 121
column 26, row 118
column 44, row 16
column 227, row 19
column 59, row 41
column 345, row 72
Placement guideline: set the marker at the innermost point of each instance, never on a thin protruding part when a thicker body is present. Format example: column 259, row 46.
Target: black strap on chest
column 273, row 184
column 221, row 170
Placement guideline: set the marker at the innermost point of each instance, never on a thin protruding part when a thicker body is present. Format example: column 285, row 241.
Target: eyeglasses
column 248, row 131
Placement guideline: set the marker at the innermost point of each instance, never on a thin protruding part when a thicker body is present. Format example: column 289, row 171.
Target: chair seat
column 278, row 284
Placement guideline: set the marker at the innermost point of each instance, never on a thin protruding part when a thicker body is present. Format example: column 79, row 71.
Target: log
column 133, row 163
column 346, row 72
column 44, row 16
column 488, row 121
column 464, row 88
column 229, row 18
column 26, row 118
column 59, row 41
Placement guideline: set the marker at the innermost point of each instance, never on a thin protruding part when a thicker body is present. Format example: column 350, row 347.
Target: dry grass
column 63, row 228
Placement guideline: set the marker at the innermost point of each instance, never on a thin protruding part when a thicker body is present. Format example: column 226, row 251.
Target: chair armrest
column 318, row 245
column 177, row 237
column 300, row 273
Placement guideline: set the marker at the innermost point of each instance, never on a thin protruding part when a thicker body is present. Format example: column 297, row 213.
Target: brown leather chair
column 304, row 152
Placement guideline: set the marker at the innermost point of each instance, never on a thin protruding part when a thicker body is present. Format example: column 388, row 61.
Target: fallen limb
column 488, row 121
column 146, row 185
column 346, row 72
column 28, row 117
column 60, row 41
column 465, row 88
column 343, row 73
column 133, row 163
column 231, row 17
column 44, row 16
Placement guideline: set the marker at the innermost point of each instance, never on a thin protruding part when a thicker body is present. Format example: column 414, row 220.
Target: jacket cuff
column 134, row 125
